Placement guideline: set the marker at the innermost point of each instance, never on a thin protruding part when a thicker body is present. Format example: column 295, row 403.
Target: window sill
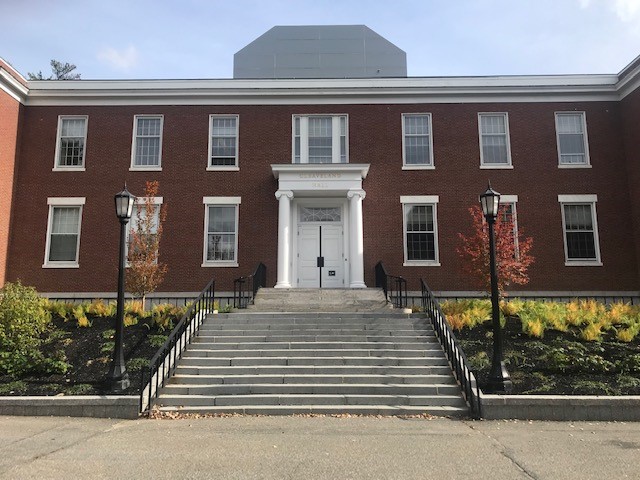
column 145, row 169
column 223, row 168
column 61, row 265
column 570, row 165
column 421, row 264
column 583, row 263
column 418, row 167
column 496, row 167
column 68, row 169
column 219, row 264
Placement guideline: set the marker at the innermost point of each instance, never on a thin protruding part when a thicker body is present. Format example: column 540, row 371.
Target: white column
column 356, row 239
column 284, row 238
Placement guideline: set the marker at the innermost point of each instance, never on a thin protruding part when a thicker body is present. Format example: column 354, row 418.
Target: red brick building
column 356, row 170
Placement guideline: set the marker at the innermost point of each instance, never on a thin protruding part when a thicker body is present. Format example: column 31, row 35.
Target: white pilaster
column 284, row 238
column 356, row 239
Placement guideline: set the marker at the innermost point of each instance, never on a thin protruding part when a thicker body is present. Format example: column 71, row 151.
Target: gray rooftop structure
column 320, row 51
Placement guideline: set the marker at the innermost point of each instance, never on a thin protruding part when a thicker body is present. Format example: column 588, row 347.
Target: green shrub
column 157, row 340
column 23, row 319
column 137, row 364
column 18, row 387
column 79, row 389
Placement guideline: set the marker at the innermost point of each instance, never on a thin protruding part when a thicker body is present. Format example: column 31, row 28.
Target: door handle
column 320, row 262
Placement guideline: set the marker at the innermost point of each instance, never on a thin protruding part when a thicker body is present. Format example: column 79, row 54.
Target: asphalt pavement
column 316, row 448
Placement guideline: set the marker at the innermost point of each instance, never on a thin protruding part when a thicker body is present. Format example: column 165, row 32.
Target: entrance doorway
column 320, row 248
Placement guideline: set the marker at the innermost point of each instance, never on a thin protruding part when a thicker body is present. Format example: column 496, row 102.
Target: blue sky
column 197, row 38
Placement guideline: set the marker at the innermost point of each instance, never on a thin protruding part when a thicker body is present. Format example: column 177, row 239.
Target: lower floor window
column 221, row 231
column 420, row 231
column 63, row 233
column 580, row 230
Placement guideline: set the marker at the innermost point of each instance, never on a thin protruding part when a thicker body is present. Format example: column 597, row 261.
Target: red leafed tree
column 145, row 272
column 512, row 254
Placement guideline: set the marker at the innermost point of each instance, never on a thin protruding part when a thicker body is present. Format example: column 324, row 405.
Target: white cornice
column 9, row 84
column 544, row 88
column 320, row 168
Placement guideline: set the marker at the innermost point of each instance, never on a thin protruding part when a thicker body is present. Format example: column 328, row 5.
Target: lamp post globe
column 117, row 377
column 499, row 380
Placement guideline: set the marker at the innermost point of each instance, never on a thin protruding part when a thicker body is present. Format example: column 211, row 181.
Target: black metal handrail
column 455, row 355
column 162, row 366
column 394, row 288
column 245, row 288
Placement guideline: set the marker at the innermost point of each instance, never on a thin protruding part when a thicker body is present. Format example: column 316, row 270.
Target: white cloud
column 584, row 3
column 119, row 59
column 627, row 10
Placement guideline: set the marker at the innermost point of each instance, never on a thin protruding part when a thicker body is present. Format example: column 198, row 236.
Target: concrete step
column 309, row 352
column 188, row 360
column 320, row 300
column 264, row 345
column 292, row 389
column 290, row 378
column 311, row 399
column 208, row 337
column 341, row 370
column 382, row 410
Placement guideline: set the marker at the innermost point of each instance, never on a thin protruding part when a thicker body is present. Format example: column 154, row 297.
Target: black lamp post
column 118, row 378
column 499, row 379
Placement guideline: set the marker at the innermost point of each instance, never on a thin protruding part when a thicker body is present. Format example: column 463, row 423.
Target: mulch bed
column 560, row 363
column 89, row 353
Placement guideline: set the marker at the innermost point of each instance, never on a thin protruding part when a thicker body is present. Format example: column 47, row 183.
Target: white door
column 320, row 256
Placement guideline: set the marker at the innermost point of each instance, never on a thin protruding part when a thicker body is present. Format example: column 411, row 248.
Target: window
column 580, row 227
column 508, row 214
column 495, row 151
column 221, row 231
column 63, row 232
column 417, row 143
column 72, row 136
column 223, row 142
column 572, row 139
column 420, row 230
column 147, row 142
column 320, row 139
column 140, row 214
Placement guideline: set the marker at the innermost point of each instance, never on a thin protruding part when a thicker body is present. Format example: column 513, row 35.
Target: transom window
column 494, row 140
column 320, row 139
column 223, row 141
column 72, row 135
column 580, row 229
column 572, row 139
column 221, row 231
column 63, row 232
column 420, row 230
column 316, row 214
column 417, row 143
column 147, row 142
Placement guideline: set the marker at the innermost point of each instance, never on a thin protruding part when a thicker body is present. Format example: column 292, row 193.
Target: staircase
column 274, row 363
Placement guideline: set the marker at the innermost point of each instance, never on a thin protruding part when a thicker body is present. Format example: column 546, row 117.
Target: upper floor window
column 417, row 142
column 147, row 142
column 223, row 142
column 420, row 230
column 320, row 139
column 580, row 226
column 571, row 133
column 495, row 151
column 63, row 232
column 70, row 144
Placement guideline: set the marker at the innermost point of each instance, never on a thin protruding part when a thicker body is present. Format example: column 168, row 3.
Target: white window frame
column 229, row 168
column 53, row 202
column 585, row 139
column 512, row 200
column 484, row 165
column 146, row 168
column 227, row 202
column 140, row 202
column 591, row 200
column 70, row 168
column 335, row 134
column 420, row 200
column 419, row 166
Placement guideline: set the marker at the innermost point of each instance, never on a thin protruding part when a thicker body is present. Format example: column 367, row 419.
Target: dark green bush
column 23, row 320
